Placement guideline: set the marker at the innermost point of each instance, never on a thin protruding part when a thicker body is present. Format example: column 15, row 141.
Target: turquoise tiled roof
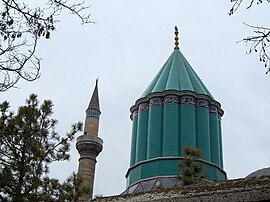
column 177, row 74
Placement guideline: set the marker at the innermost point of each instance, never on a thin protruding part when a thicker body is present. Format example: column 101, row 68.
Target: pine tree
column 28, row 145
column 191, row 169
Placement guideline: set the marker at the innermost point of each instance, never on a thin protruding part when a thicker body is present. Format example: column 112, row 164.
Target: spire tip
column 176, row 38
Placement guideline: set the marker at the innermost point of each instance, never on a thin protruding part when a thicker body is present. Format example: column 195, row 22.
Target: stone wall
column 253, row 189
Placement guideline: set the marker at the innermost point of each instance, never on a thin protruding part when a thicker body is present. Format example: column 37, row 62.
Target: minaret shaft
column 87, row 172
column 91, row 123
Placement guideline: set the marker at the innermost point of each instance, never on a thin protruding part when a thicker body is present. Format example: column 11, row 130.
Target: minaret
column 89, row 145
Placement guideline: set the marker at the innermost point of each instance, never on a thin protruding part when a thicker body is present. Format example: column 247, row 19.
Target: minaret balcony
column 89, row 145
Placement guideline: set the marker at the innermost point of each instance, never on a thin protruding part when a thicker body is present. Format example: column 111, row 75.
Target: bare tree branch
column 238, row 3
column 22, row 25
column 260, row 41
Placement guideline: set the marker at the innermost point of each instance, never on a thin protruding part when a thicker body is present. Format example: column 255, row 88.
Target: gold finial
column 176, row 38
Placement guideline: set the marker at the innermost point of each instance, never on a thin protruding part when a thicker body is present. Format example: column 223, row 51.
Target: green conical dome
column 177, row 74
column 175, row 111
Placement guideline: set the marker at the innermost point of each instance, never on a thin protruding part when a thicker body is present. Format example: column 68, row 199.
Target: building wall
column 252, row 189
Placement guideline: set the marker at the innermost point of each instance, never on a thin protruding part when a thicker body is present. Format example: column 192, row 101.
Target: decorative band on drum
column 213, row 109
column 143, row 107
column 188, row 100
column 202, row 103
column 171, row 100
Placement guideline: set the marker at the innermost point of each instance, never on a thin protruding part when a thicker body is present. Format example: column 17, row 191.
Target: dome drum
column 164, row 123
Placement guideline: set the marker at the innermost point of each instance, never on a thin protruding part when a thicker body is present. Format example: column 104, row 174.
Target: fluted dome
column 176, row 74
column 175, row 111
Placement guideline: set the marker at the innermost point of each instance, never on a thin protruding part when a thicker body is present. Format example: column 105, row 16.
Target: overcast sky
column 129, row 43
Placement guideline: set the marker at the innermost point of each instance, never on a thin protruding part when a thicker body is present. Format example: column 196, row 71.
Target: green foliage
column 191, row 169
column 28, row 145
column 69, row 191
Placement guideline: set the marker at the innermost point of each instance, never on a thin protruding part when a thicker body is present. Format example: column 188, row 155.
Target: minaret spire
column 89, row 145
column 94, row 102
column 176, row 38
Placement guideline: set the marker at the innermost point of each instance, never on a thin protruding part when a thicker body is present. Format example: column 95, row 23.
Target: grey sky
column 126, row 48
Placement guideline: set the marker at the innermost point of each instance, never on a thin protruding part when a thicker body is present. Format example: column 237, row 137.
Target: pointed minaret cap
column 94, row 102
